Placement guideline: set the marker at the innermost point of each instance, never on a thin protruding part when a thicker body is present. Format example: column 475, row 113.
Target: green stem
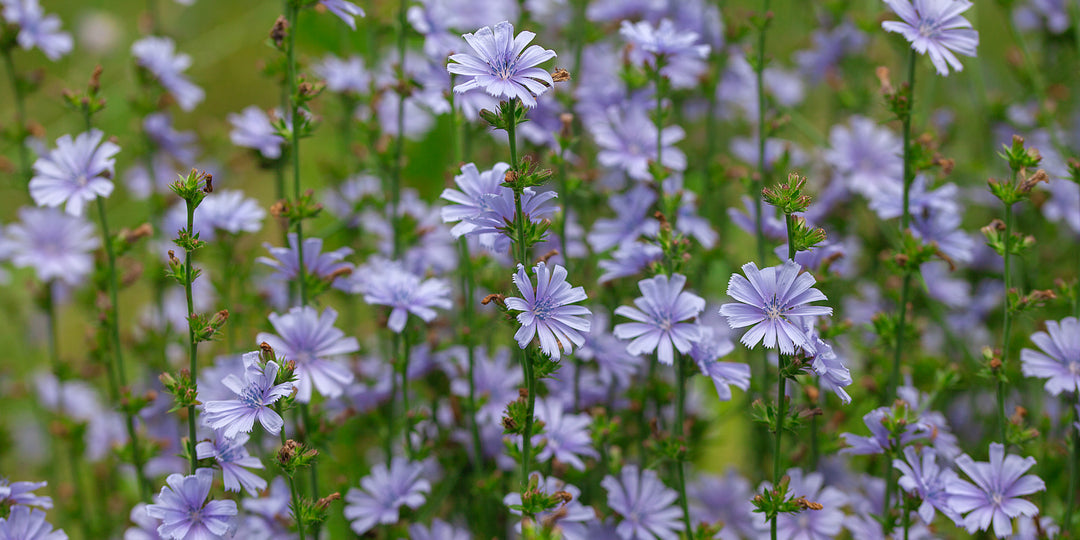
column 781, row 412
column 388, row 444
column 1074, row 458
column 118, row 359
column 295, row 503
column 293, row 11
column 526, row 443
column 404, row 339
column 193, row 365
column 1007, row 325
column 906, row 520
column 680, row 412
column 20, row 115
column 155, row 17
column 399, row 141
column 905, row 220
column 467, row 287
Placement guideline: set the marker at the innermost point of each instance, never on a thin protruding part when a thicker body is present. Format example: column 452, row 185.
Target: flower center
column 251, row 396
column 773, row 310
column 505, row 67
column 543, row 308
column 82, row 180
column 996, row 498
column 928, row 28
column 1074, row 368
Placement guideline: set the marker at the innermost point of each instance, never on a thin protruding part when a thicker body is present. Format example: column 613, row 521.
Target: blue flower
column 184, row 512
column 76, row 172
column 772, row 300
column 824, row 523
column 234, row 461
column 311, row 341
column 935, row 27
column 502, row 66
column 316, row 263
column 864, row 156
column 269, row 516
column 570, row 518
column 22, row 494
column 383, row 492
column 614, row 364
column 881, row 440
column 57, row 246
column 771, row 226
column 706, row 351
column 405, row 293
column 566, row 435
column 546, row 311
column 1059, row 361
column 177, row 144
column 158, row 56
column 252, row 129
column 36, row 29
column 725, row 499
column 627, row 140
column 254, row 397
column 647, row 506
column 348, row 76
column 661, row 316
column 25, row 523
column 496, row 380
column 631, row 222
column 628, row 260
column 922, row 477
column 346, row 11
column 997, row 491
column 830, row 47
column 439, row 530
column 676, row 50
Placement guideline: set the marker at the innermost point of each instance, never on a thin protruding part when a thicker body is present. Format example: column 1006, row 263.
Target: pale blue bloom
column 158, row 56
column 647, row 506
column 662, row 318
column 935, row 27
column 383, row 492
column 76, row 172
column 502, row 66
column 310, row 339
column 185, row 513
column 997, row 492
column 546, row 311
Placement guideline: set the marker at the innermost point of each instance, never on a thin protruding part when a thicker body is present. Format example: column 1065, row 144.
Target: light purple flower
column 383, row 492
column 1064, row 203
column 661, row 316
column 566, row 435
column 725, row 499
column 310, row 339
column 254, row 397
column 1059, row 361
column 627, row 140
column 22, row 494
column 496, row 378
column 631, row 222
column 234, row 461
column 269, row 516
column 252, row 129
column 36, row 29
column 678, row 51
column 922, row 477
column 615, row 366
column 285, row 261
column 184, row 512
column 830, row 47
column 439, row 530
column 25, row 523
column 881, row 440
column 772, row 300
column 935, row 27
column 812, row 524
column 628, row 260
column 435, row 20
column 177, row 144
column 570, row 519
column 832, row 374
column 771, row 226
column 646, row 505
column 997, row 491
column 502, row 66
column 344, row 75
column 56, row 245
column 158, row 56
column 405, row 292
column 546, row 311
column 75, row 172
column 230, row 211
column 866, row 157
column 346, row 11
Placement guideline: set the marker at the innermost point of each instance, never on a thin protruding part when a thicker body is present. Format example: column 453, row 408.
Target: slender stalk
column 117, row 356
column 388, row 444
column 294, row 110
column 193, row 364
column 399, row 141
column 905, row 220
column 680, row 412
column 759, row 227
column 296, row 504
column 20, row 115
column 155, row 16
column 467, row 287
column 1074, row 458
column 781, row 383
column 404, row 339
column 1006, row 326
column 906, row 520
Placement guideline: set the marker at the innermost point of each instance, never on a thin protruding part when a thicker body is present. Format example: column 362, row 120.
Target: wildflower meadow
column 539, row 269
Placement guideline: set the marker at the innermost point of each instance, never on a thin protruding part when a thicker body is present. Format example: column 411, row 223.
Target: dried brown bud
column 497, row 298
column 544, row 258
column 324, row 502
column 95, row 79
column 1030, row 182
column 279, row 30
column 560, row 75
column 807, row 505
column 279, row 208
column 209, row 187
column 287, row 451
column 882, row 73
column 340, row 272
